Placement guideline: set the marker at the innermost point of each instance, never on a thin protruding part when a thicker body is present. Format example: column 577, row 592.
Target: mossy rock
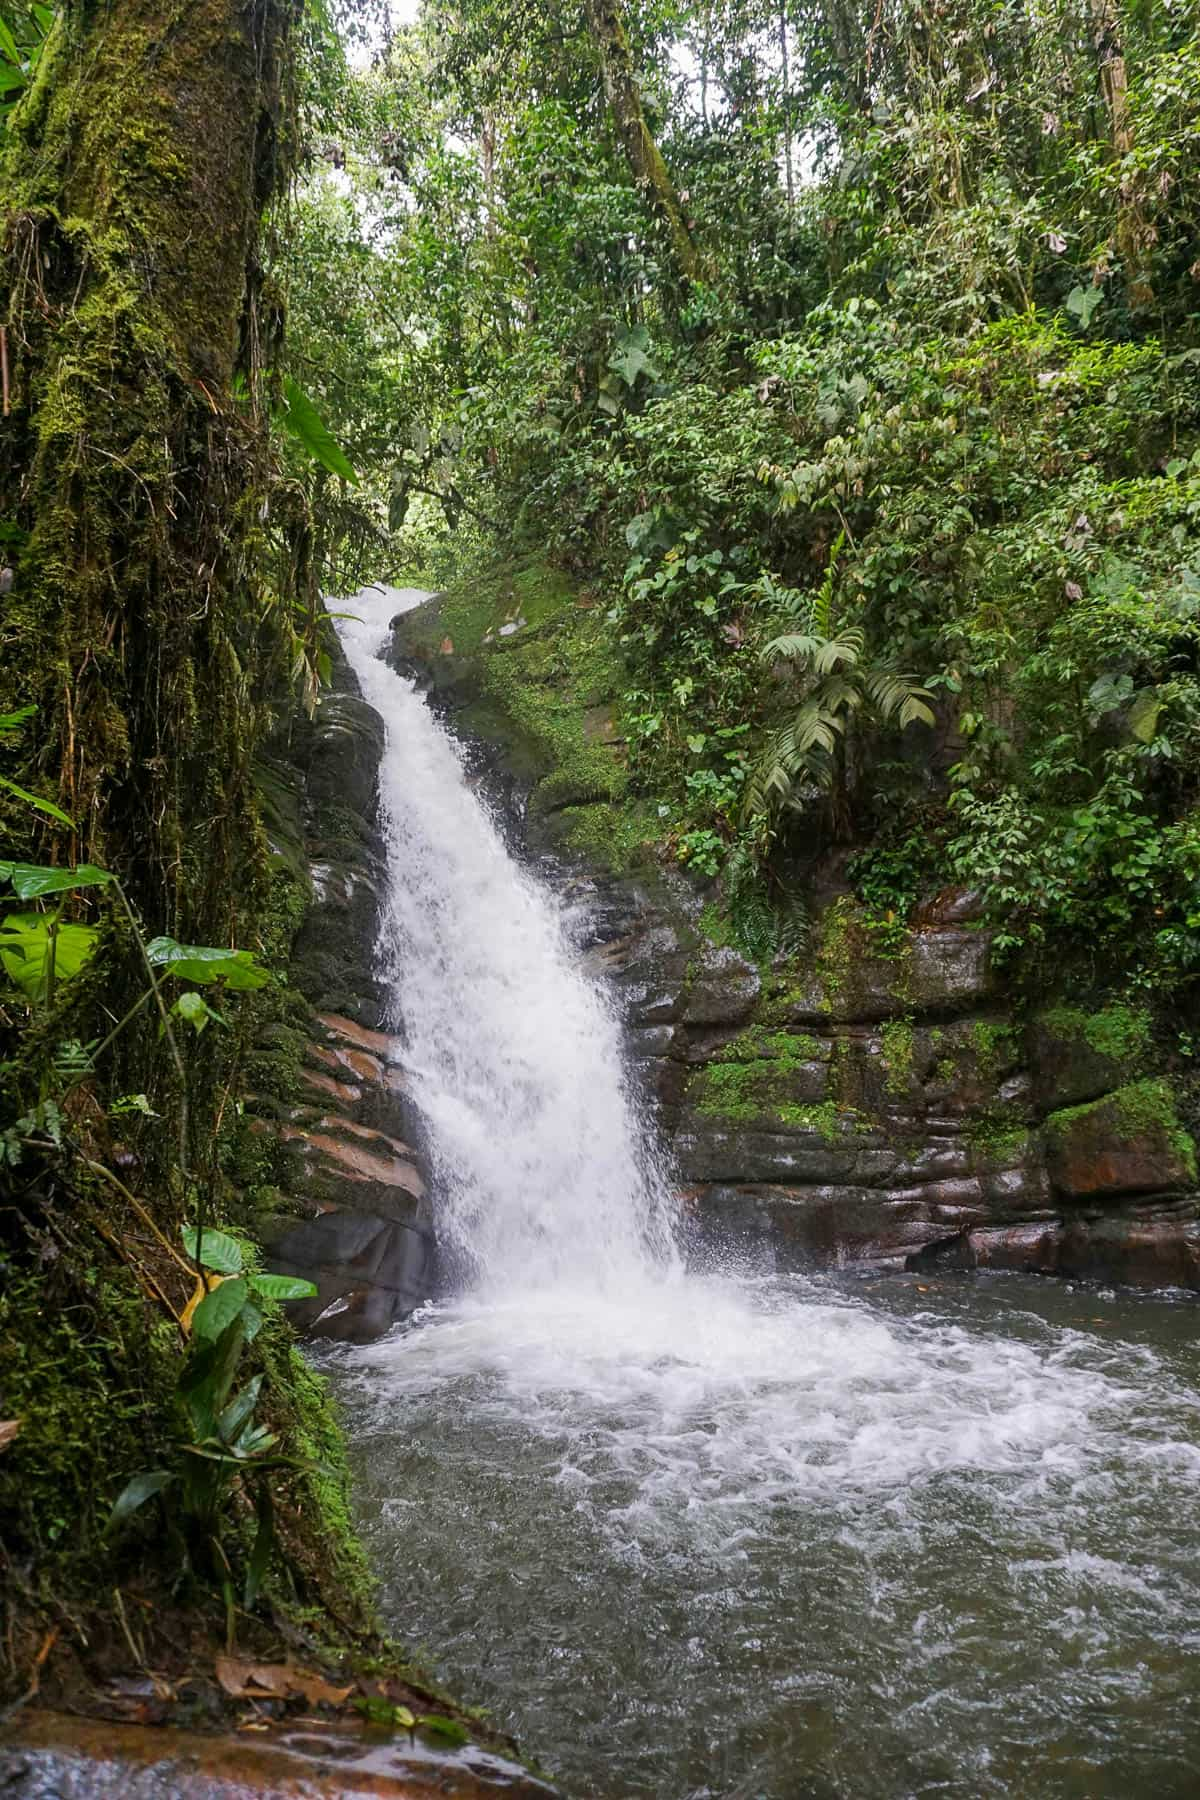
column 1129, row 1142
column 1077, row 1056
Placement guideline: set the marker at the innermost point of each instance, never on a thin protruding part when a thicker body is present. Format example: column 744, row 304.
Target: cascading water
column 514, row 1055
column 725, row 1536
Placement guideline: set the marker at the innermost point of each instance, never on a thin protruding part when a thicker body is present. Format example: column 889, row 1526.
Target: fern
column 842, row 682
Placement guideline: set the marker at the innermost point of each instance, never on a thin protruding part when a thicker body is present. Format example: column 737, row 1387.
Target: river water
column 709, row 1534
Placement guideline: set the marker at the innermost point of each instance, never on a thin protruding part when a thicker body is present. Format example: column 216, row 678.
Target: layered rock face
column 332, row 1150
column 891, row 1109
column 889, row 1101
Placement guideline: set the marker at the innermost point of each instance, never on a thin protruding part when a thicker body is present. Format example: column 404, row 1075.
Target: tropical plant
column 227, row 1451
column 844, row 681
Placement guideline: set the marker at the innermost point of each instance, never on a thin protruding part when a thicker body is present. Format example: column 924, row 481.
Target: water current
column 710, row 1533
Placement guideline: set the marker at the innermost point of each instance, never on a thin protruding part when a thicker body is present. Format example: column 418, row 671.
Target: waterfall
column 542, row 1165
column 714, row 1534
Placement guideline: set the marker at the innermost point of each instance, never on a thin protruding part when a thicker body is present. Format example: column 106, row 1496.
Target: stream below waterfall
column 702, row 1533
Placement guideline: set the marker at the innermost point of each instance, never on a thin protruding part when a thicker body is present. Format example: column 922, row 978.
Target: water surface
column 790, row 1538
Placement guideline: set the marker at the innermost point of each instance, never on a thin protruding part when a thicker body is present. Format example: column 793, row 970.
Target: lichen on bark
column 135, row 460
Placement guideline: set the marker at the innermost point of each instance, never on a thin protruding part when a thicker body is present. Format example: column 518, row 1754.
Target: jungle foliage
column 938, row 308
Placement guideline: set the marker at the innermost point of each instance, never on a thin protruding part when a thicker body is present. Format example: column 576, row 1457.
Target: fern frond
column 833, row 652
column 793, row 646
column 897, row 695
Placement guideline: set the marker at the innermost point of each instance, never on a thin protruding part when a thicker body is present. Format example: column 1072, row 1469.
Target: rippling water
column 720, row 1537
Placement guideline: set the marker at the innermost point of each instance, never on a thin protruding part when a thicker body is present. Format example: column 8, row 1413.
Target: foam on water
column 699, row 1532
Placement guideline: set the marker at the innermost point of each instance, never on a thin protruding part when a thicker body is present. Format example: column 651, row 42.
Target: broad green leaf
column 1144, row 715
column 239, row 1410
column 135, row 1493
column 8, row 43
column 631, row 357
column 203, row 963
column 31, row 880
column 193, row 1008
column 46, row 806
column 1082, row 303
column 309, row 429
column 12, row 81
column 219, row 1309
column 220, row 1252
column 25, row 950
column 283, row 1287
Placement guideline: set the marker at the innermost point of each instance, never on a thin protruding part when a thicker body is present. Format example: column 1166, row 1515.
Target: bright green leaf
column 309, row 429
column 220, row 1252
column 35, row 800
column 219, row 1309
column 203, row 963
column 283, row 1287
column 31, row 880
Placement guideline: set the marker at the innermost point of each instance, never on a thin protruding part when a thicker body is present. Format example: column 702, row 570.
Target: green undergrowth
column 545, row 676
column 91, row 1365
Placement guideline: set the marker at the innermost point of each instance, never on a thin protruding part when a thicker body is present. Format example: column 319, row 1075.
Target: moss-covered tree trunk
column 641, row 152
column 133, row 461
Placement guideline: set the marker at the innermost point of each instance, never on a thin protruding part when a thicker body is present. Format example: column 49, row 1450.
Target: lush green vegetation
column 909, row 434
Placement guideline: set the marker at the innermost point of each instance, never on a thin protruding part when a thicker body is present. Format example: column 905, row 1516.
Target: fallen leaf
column 256, row 1681
column 8, row 1431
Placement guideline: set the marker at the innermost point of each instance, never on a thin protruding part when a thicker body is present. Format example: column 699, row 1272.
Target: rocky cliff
column 886, row 1099
column 330, row 1144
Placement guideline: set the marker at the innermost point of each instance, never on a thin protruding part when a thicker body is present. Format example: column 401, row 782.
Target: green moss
column 615, row 838
column 1143, row 1108
column 835, row 958
column 89, row 1370
column 786, row 1049
column 757, row 1093
column 998, row 1136
column 897, row 1044
column 546, row 692
column 1120, row 1033
column 992, row 1043
column 716, row 926
column 324, row 1489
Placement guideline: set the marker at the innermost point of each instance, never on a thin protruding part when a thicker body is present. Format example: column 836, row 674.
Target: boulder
column 1129, row 1142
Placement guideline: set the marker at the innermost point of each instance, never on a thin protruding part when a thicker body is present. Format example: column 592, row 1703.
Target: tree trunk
column 642, row 153
column 139, row 624
column 1114, row 83
column 787, row 104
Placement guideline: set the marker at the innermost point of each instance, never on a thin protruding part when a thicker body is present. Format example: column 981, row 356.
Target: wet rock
column 339, row 1155
column 1128, row 1142
column 1076, row 1055
column 721, row 988
column 951, row 969
column 49, row 1756
column 368, row 1271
